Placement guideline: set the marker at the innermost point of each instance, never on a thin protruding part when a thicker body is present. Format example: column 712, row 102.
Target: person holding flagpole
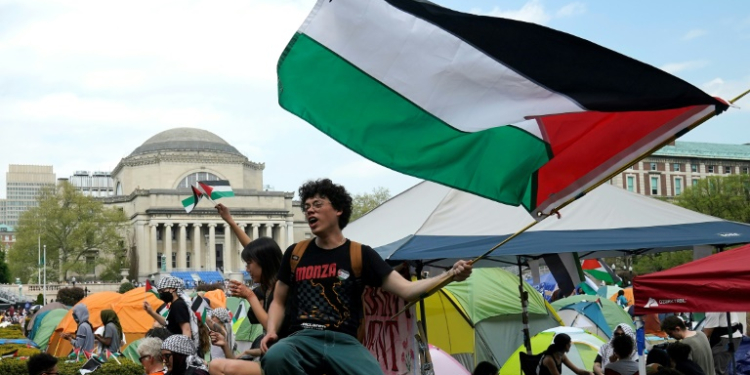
column 318, row 279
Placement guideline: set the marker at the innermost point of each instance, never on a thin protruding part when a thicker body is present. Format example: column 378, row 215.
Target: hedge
column 11, row 332
column 18, row 367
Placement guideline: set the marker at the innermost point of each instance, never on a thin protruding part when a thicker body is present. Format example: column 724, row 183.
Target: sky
column 85, row 82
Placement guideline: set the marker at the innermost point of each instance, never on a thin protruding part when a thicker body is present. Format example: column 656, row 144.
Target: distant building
column 23, row 185
column 7, row 237
column 96, row 184
column 667, row 172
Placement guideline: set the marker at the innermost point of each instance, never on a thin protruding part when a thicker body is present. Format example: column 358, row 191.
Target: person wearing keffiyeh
column 222, row 338
column 180, row 357
column 180, row 320
column 606, row 352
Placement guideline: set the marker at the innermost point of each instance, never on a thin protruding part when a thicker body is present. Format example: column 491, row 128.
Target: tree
column 364, row 203
column 4, row 272
column 727, row 197
column 125, row 287
column 70, row 296
column 76, row 230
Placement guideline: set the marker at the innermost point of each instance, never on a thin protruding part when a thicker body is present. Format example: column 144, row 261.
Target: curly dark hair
column 39, row 363
column 623, row 346
column 337, row 194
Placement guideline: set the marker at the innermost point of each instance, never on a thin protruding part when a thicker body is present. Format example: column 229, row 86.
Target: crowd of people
column 301, row 322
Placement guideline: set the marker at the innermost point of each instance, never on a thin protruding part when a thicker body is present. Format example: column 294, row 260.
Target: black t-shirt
column 323, row 291
column 179, row 313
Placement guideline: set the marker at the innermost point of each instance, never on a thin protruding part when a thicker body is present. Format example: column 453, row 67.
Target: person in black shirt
column 679, row 353
column 325, row 295
column 179, row 321
column 554, row 357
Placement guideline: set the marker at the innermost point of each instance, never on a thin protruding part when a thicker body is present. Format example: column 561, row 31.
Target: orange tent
column 217, row 298
column 129, row 308
column 628, row 295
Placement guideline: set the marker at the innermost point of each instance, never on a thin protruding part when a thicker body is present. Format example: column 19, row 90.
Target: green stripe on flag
column 221, row 194
column 345, row 103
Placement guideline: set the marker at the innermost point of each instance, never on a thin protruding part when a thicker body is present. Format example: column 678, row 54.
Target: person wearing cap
column 179, row 357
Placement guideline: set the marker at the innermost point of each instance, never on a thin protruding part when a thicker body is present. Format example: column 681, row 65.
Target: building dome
column 185, row 139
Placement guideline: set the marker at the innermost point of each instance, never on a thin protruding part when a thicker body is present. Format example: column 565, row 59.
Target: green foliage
column 11, row 332
column 125, row 287
column 18, row 367
column 364, row 203
column 40, row 299
column 4, row 272
column 73, row 227
column 727, row 197
column 644, row 264
column 70, row 296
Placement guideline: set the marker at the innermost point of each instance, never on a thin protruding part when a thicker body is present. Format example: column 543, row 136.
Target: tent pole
column 524, row 309
column 422, row 315
column 730, row 347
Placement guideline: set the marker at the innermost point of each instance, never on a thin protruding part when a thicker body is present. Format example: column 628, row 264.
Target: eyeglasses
column 316, row 206
column 166, row 356
column 141, row 358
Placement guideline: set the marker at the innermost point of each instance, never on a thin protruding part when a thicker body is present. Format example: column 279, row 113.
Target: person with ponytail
column 554, row 357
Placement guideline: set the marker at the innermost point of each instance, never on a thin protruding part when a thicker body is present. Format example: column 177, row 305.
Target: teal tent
column 49, row 322
column 587, row 312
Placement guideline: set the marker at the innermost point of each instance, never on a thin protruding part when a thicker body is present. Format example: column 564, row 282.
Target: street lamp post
column 44, row 286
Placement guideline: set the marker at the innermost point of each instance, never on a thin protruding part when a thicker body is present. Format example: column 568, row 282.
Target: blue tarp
column 26, row 342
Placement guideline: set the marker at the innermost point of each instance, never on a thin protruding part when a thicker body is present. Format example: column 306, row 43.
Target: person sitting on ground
column 83, row 339
column 178, row 352
column 149, row 354
column 656, row 359
column 606, row 352
column 679, row 353
column 554, row 357
column 112, row 337
column 485, row 368
column 42, row 364
column 622, row 364
column 700, row 349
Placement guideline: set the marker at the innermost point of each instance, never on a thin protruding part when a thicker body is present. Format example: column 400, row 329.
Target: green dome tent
column 44, row 330
column 480, row 319
column 613, row 314
column 585, row 346
column 245, row 331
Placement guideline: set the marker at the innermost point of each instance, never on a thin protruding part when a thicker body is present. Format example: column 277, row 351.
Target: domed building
column 151, row 183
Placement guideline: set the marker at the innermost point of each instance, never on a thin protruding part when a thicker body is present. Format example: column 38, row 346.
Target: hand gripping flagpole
column 447, row 277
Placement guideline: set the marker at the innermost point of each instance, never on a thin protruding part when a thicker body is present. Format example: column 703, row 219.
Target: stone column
column 228, row 252
column 154, row 249
column 269, row 231
column 211, row 266
column 240, row 264
column 197, row 239
column 182, row 252
column 255, row 235
column 143, row 250
column 289, row 233
column 168, row 245
column 282, row 236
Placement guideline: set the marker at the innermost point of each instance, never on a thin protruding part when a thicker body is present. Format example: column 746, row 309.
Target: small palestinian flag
column 191, row 202
column 11, row 354
column 600, row 271
column 216, row 189
column 150, row 288
column 200, row 307
column 239, row 316
column 163, row 310
column 74, row 353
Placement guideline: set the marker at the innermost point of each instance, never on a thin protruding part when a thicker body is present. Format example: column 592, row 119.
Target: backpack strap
column 299, row 250
column 355, row 255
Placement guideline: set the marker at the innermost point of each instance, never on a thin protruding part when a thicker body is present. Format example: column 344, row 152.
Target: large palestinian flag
column 511, row 111
column 216, row 189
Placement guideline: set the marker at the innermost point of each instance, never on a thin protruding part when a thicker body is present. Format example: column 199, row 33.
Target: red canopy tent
column 716, row 283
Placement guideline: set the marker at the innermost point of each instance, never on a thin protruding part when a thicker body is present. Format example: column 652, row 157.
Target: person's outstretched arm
column 238, row 232
column 412, row 290
column 573, row 367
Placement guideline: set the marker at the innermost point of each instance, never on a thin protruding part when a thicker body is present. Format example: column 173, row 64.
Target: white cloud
column 572, row 9
column 674, row 68
column 695, row 33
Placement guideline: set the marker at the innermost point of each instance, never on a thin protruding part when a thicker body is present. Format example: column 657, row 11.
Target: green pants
column 319, row 352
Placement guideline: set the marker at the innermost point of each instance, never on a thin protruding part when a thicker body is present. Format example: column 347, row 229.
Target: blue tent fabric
column 26, row 342
column 37, row 323
column 593, row 311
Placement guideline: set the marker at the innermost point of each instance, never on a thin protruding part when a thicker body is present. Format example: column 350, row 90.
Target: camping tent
column 628, row 294
column 589, row 316
column 245, row 331
column 431, row 222
column 47, row 307
column 714, row 283
column 583, row 350
column 48, row 321
column 480, row 319
column 129, row 308
column 607, row 291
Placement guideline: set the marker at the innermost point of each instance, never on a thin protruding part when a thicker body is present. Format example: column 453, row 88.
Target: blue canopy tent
column 437, row 225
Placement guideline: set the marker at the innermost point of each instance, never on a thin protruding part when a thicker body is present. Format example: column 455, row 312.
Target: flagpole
column 448, row 276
